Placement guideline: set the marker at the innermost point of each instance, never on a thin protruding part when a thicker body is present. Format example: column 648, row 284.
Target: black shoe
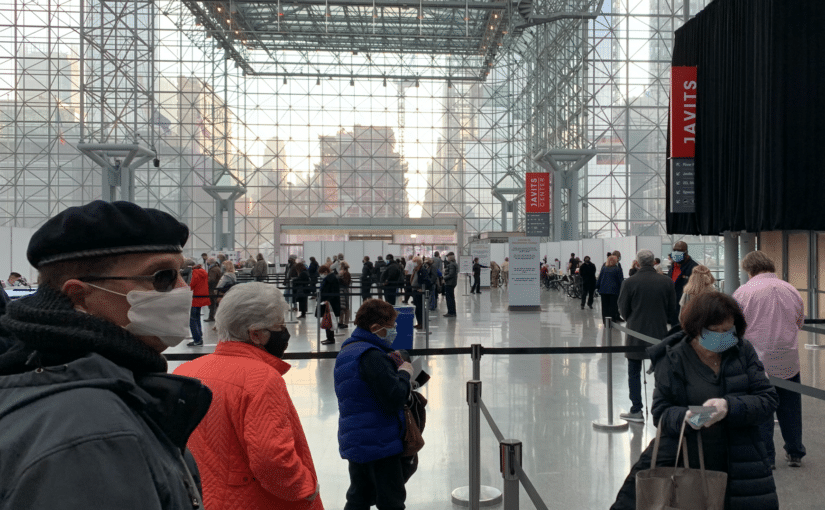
column 449, row 315
column 327, row 342
column 209, row 320
column 793, row 461
column 590, row 306
column 195, row 344
column 302, row 316
column 582, row 307
column 343, row 326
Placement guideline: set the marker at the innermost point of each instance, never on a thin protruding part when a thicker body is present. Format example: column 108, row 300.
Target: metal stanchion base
column 610, row 427
column 490, row 496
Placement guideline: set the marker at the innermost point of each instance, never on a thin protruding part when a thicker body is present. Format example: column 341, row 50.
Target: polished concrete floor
column 546, row 401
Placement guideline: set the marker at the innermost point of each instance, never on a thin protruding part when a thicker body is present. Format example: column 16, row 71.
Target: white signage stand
column 524, row 290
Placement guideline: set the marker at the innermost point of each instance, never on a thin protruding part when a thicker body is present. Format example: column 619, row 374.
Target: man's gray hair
column 189, row 263
column 211, row 260
column 248, row 306
column 646, row 258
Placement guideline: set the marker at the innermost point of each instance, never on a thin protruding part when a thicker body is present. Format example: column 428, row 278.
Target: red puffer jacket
column 250, row 447
column 200, row 287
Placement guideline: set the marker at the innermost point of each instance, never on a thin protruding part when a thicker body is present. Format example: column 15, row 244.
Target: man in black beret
column 90, row 418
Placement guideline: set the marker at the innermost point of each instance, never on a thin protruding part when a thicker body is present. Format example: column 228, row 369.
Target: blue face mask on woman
column 718, row 342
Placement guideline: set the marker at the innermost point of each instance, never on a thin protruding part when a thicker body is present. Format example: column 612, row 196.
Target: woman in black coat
column 330, row 293
column 710, row 364
column 302, row 285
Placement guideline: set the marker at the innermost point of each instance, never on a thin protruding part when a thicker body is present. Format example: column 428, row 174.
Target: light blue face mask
column 677, row 256
column 391, row 334
column 718, row 342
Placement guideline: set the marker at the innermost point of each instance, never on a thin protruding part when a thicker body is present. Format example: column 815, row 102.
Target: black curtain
column 760, row 113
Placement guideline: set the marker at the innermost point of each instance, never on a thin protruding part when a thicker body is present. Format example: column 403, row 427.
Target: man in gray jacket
column 646, row 301
column 90, row 418
column 450, row 281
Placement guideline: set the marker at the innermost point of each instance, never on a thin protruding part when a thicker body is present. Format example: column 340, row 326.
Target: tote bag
column 326, row 321
column 680, row 488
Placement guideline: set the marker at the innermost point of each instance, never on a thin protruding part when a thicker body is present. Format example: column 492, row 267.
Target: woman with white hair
column 251, row 449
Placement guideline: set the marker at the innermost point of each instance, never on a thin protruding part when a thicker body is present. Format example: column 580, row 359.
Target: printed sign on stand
column 524, row 289
column 465, row 264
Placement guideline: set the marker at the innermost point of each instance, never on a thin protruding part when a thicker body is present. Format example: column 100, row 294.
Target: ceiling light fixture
column 351, row 82
column 318, row 81
column 284, row 80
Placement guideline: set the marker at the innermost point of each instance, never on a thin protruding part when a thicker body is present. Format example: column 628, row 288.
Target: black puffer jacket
column 751, row 400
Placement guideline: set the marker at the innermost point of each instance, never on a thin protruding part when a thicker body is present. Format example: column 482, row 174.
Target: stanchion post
column 473, row 396
column 318, row 321
column 475, row 353
column 609, row 426
column 510, row 454
column 426, row 312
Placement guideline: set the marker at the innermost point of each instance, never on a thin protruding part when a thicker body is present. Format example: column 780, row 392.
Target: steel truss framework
column 327, row 109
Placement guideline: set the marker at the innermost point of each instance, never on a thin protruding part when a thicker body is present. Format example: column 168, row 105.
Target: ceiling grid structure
column 339, row 112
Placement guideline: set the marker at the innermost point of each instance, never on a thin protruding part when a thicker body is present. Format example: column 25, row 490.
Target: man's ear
column 77, row 292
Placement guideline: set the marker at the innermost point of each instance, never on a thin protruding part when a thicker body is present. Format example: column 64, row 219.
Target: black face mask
column 278, row 342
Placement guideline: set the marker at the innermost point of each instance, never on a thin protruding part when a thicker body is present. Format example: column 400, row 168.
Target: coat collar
column 362, row 335
column 250, row 351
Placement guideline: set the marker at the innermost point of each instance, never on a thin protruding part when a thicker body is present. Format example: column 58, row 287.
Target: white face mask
column 161, row 314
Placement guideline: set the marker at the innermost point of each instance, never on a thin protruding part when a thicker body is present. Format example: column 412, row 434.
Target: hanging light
column 328, row 13
column 449, row 84
column 420, row 12
column 416, row 83
column 284, row 80
column 318, row 81
column 351, row 82
column 385, row 82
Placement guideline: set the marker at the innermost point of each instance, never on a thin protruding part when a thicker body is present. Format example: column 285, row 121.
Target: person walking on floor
column 774, row 313
column 588, row 273
column 200, row 298
column 345, row 279
column 303, row 288
column 450, row 282
column 214, row 273
column 420, row 281
column 646, row 301
column 260, row 269
column 609, row 284
column 330, row 293
column 476, row 287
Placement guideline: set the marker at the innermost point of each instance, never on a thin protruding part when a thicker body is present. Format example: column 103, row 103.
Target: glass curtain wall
column 311, row 140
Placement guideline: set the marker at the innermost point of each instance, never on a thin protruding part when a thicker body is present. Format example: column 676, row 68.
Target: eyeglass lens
column 165, row 280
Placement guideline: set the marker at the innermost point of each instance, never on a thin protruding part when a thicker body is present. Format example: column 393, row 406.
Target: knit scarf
column 49, row 331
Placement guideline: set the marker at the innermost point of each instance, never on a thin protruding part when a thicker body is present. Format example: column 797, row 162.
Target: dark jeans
column 450, row 289
column 433, row 297
column 195, row 324
column 408, row 292
column 390, row 294
column 610, row 306
column 634, row 383
column 418, row 302
column 213, row 306
column 302, row 304
column 588, row 288
column 365, row 289
column 789, row 414
column 379, row 483
column 476, row 284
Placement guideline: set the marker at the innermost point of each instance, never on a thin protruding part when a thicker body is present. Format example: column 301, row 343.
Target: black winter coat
column 687, row 269
column 331, row 291
column 751, row 400
column 646, row 301
column 588, row 273
column 302, row 285
column 366, row 272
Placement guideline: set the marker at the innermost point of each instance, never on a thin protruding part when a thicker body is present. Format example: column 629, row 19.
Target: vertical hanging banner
column 683, row 85
column 537, row 196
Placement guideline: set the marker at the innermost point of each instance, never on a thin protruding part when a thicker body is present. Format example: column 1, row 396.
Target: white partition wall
column 313, row 249
column 568, row 247
column 331, row 248
column 373, row 249
column 593, row 248
column 392, row 249
column 552, row 251
column 497, row 252
column 652, row 243
column 354, row 254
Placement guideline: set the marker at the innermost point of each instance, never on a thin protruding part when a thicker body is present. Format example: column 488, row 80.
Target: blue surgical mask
column 718, row 342
column 390, row 336
column 677, row 256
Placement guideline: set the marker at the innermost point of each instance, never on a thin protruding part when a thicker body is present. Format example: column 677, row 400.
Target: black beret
column 105, row 228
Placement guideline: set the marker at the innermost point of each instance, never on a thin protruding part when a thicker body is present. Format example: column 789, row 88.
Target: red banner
column 683, row 112
column 538, row 192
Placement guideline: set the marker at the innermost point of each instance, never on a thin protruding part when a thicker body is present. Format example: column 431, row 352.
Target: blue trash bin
column 404, row 325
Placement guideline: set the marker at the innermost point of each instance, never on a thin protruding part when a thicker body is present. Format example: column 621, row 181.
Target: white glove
column 314, row 494
column 721, row 406
column 406, row 367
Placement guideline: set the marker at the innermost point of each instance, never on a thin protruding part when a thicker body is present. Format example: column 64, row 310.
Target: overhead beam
column 400, row 4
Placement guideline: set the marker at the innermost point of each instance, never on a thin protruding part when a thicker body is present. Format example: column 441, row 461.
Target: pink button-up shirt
column 774, row 312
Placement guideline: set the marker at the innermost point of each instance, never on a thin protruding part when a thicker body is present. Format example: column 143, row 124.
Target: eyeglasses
column 164, row 280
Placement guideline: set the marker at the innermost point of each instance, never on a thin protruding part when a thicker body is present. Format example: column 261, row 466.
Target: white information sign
column 482, row 251
column 465, row 264
column 524, row 289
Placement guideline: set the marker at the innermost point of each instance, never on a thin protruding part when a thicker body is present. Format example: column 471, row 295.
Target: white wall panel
column 354, row 254
column 331, row 248
column 593, row 248
column 497, row 253
column 626, row 246
column 312, row 249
